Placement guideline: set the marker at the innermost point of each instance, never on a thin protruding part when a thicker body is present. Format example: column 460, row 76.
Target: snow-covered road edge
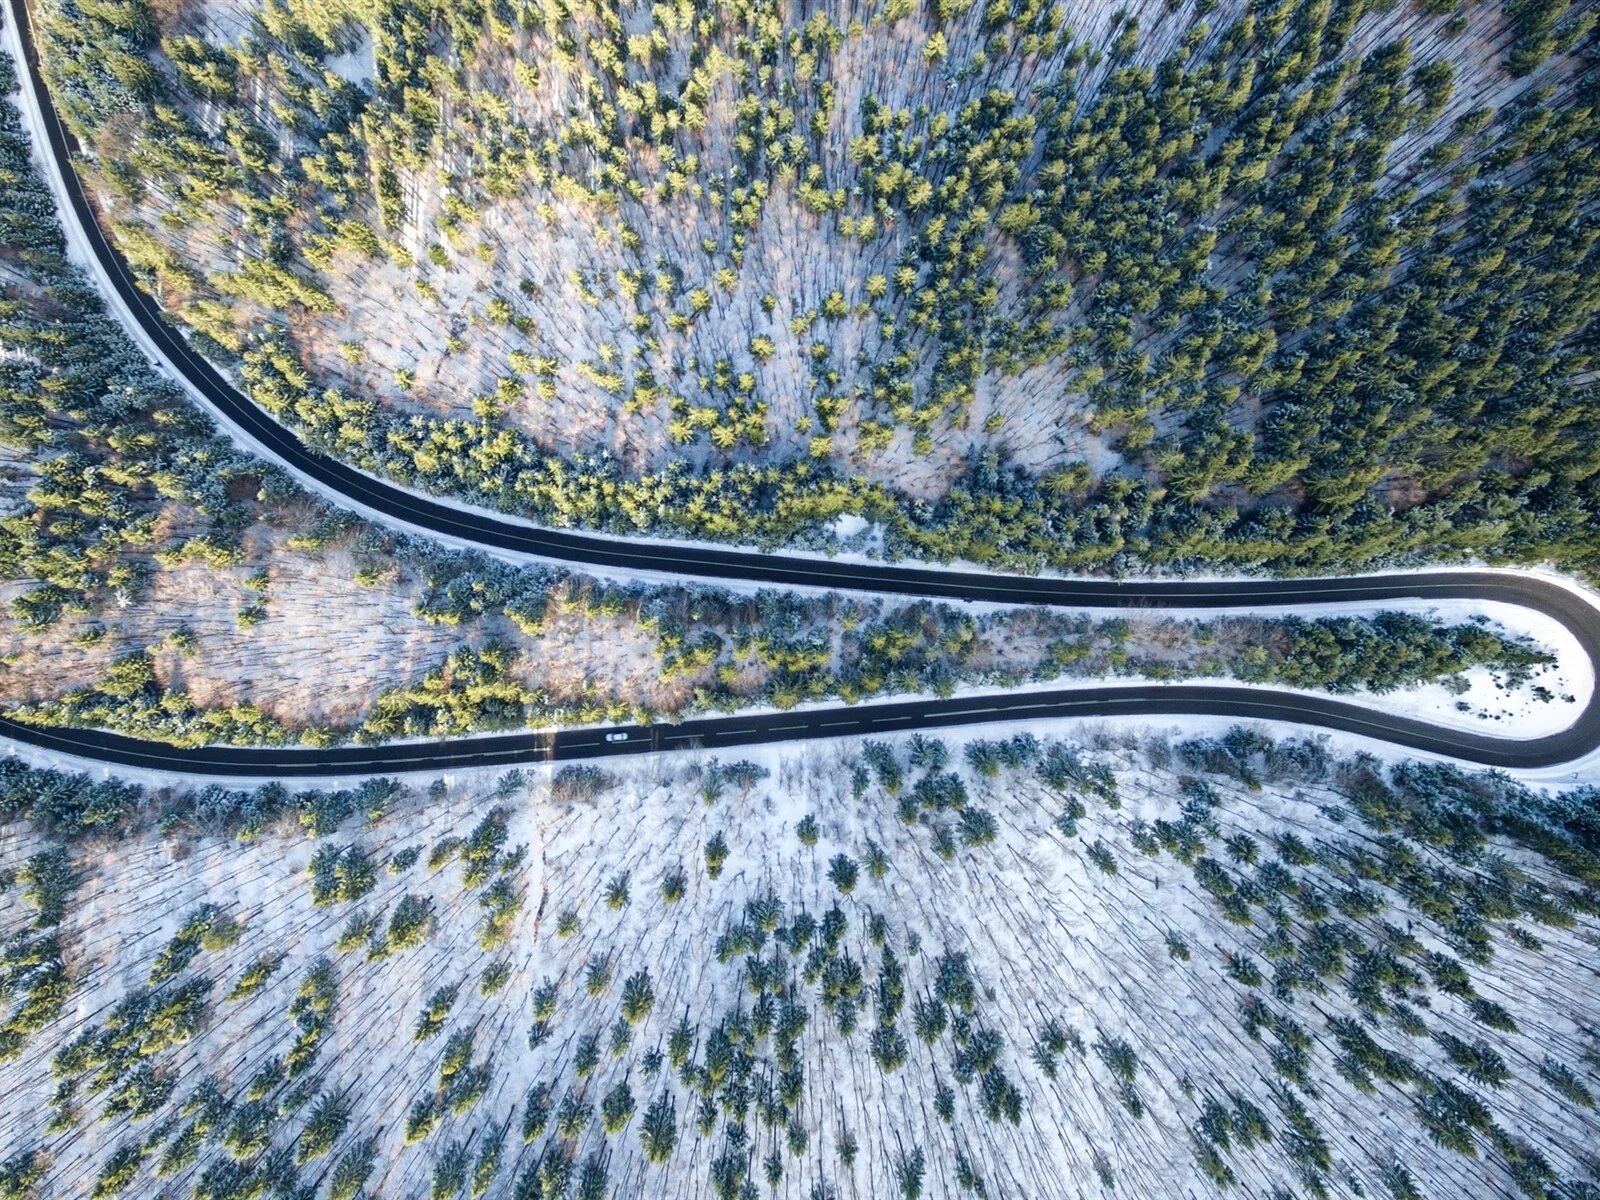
column 1578, row 773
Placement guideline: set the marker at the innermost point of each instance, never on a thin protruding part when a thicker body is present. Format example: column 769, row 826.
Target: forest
column 1280, row 286
column 797, row 978
column 1191, row 286
column 162, row 583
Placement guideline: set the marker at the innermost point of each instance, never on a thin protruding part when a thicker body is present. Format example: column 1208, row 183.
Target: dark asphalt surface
column 428, row 516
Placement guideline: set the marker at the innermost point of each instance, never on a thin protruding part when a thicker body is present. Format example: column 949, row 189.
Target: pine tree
column 658, row 1131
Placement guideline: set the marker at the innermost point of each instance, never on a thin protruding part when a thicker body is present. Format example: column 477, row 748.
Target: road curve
column 1565, row 605
column 428, row 517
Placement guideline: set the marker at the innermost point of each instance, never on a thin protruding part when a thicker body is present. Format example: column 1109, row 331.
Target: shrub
column 48, row 880
column 580, row 782
column 431, row 1020
column 597, row 974
column 658, row 1132
column 481, row 850
column 806, row 830
column 674, row 884
column 118, row 1173
column 716, row 852
column 617, row 1108
column 351, row 1171
column 340, row 874
column 494, row 977
column 357, row 931
column 204, row 928
column 19, row 1174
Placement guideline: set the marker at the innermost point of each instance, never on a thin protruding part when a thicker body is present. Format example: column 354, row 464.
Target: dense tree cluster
column 131, row 481
column 1328, row 316
column 74, row 804
column 1391, row 651
column 111, row 445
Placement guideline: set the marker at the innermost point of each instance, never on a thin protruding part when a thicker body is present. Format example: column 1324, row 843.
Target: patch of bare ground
column 324, row 647
column 579, row 657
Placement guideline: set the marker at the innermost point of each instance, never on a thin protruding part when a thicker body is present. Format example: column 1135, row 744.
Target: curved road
column 428, row 517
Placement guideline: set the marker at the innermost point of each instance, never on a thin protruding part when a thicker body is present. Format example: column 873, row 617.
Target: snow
column 1047, row 934
column 358, row 64
column 1493, row 709
column 848, row 525
column 80, row 253
column 845, row 527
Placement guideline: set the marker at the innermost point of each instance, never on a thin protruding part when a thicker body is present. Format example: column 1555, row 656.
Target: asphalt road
column 426, row 516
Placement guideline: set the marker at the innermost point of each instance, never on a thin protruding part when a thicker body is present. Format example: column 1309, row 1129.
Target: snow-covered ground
column 1051, row 941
